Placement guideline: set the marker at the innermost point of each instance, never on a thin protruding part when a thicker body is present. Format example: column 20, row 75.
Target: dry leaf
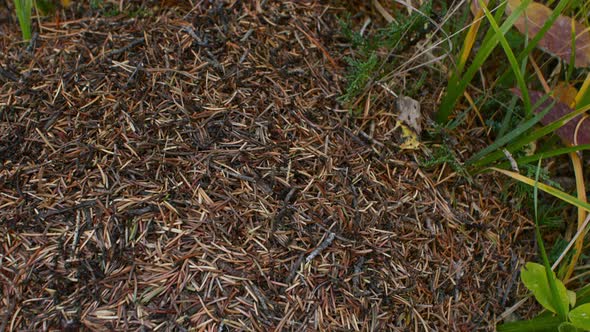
column 409, row 119
column 558, row 39
column 409, row 113
column 410, row 139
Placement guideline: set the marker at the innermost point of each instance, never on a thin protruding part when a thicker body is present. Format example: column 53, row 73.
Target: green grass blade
column 511, row 58
column 548, row 189
column 456, row 89
column 535, row 41
column 561, row 6
column 530, row 138
column 547, row 154
column 23, row 10
column 521, row 129
column 508, row 116
column 557, row 303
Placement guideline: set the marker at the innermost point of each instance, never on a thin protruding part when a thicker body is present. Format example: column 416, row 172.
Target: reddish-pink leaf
column 558, row 40
column 575, row 132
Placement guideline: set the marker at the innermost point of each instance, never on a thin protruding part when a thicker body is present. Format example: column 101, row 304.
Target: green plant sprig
column 549, row 291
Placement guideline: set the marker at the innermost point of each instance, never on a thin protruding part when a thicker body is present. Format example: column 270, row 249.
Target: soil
column 191, row 168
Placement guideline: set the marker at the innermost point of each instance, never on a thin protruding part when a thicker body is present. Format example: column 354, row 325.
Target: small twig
column 294, row 269
column 125, row 48
column 45, row 214
column 327, row 241
column 246, row 35
column 133, row 75
column 370, row 139
column 261, row 297
column 386, row 88
column 140, row 211
column 353, row 136
column 339, row 237
column 512, row 309
column 193, row 34
column 76, row 234
column 355, row 206
column 243, row 57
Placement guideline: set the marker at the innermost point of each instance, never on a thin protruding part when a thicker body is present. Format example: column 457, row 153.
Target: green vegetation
column 374, row 53
column 443, row 154
column 533, row 105
column 524, row 105
column 359, row 75
column 571, row 311
column 23, row 10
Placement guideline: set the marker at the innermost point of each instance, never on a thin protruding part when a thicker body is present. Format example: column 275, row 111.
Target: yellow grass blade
column 548, row 189
column 581, row 191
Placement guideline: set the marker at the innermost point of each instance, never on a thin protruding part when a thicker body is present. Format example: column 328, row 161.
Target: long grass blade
column 548, row 189
column 23, row 10
column 581, row 192
column 535, row 41
column 511, row 135
column 553, row 126
column 547, row 154
column 557, row 303
column 583, row 96
column 468, row 42
column 455, row 89
column 511, row 58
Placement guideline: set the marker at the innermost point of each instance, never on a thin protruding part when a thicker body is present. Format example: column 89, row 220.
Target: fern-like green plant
column 359, row 74
column 371, row 58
